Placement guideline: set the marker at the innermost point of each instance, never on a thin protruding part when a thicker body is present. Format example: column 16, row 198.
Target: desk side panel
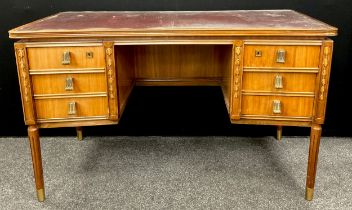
column 125, row 68
column 226, row 59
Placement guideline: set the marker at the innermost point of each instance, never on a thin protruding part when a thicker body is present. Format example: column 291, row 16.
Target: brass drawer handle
column 277, row 107
column 278, row 82
column 69, row 83
column 72, row 108
column 66, row 58
column 280, row 56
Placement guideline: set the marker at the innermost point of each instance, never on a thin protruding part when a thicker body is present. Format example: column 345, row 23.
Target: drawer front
column 44, row 58
column 281, row 56
column 277, row 82
column 63, row 109
column 290, row 106
column 68, row 83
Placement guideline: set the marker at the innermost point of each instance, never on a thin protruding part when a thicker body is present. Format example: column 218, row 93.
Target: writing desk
column 78, row 68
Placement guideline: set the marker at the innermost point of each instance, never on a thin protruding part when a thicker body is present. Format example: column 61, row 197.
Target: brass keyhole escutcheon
column 89, row 55
column 258, row 53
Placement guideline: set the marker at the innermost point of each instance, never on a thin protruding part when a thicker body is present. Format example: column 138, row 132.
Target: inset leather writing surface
column 84, row 23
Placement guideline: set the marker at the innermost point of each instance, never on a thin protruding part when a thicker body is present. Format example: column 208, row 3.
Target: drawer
column 275, row 82
column 44, row 58
column 60, row 108
column 290, row 106
column 290, row 56
column 68, row 83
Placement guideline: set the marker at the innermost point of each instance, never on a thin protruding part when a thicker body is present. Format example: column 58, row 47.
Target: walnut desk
column 78, row 68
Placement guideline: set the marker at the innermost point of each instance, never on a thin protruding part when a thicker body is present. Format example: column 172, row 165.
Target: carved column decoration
column 25, row 84
column 324, row 75
column 323, row 72
column 237, row 64
column 111, row 80
column 23, row 71
column 109, row 61
column 237, row 71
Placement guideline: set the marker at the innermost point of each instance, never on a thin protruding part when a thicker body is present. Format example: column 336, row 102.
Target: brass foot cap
column 279, row 133
column 309, row 194
column 79, row 133
column 41, row 195
column 79, row 138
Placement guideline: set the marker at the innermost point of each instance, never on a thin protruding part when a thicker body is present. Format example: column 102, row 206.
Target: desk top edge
column 174, row 23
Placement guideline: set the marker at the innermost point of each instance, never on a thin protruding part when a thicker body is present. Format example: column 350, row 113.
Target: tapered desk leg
column 279, row 133
column 79, row 131
column 33, row 135
column 312, row 160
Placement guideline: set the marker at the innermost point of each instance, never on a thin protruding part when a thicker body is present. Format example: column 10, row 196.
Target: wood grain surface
column 58, row 108
column 55, row 84
column 155, row 62
column 43, row 58
column 290, row 106
column 292, row 82
column 296, row 56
